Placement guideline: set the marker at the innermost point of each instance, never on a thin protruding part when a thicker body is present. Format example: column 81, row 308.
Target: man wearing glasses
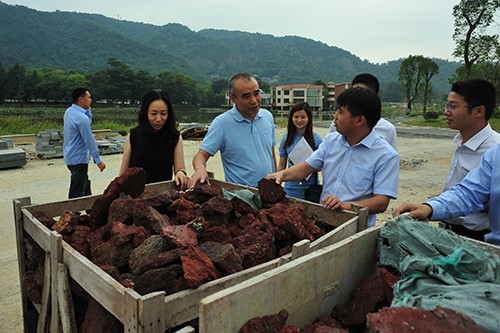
column 470, row 105
column 244, row 135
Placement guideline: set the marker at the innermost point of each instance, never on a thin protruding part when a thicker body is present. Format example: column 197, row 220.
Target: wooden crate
column 306, row 287
column 154, row 312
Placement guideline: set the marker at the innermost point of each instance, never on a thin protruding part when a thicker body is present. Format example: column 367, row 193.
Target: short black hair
column 368, row 80
column 77, row 93
column 477, row 92
column 240, row 76
column 362, row 102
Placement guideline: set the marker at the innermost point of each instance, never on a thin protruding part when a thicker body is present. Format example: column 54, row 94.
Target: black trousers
column 80, row 183
column 463, row 231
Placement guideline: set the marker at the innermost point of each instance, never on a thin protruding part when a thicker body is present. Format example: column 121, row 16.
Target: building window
column 298, row 93
column 286, row 92
column 286, row 100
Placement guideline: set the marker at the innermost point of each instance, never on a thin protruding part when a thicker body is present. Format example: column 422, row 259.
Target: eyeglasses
column 453, row 107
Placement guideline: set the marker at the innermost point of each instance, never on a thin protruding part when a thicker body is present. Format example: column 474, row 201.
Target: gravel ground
column 424, row 163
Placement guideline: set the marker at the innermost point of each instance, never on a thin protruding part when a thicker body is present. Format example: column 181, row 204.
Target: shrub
column 431, row 115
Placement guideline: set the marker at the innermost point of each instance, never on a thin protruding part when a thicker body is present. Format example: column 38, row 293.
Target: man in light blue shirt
column 358, row 166
column 472, row 194
column 79, row 143
column 244, row 135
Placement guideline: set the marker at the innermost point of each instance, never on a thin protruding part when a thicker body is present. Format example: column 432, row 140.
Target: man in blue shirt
column 358, row 166
column 471, row 195
column 79, row 143
column 244, row 135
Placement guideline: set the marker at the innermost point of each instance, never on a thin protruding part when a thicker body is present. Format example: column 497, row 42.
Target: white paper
column 300, row 153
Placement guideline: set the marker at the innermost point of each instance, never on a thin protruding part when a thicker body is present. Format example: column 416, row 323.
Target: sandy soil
column 424, row 165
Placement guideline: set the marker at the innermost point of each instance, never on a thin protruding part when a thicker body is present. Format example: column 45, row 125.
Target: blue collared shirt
column 357, row 172
column 246, row 147
column 79, row 143
column 473, row 193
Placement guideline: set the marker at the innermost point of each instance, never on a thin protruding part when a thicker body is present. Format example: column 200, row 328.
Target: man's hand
column 199, row 175
column 333, row 202
column 277, row 177
column 101, row 166
column 421, row 212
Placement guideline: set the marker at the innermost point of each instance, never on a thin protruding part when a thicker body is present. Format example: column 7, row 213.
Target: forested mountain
column 84, row 42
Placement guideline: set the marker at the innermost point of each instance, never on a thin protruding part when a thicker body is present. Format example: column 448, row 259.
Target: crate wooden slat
column 155, row 312
column 306, row 287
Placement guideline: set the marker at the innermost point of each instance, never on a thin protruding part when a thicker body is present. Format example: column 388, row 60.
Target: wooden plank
column 55, row 258
column 305, row 287
column 65, row 301
column 37, row 231
column 44, row 313
column 187, row 329
column 18, row 221
column 151, row 313
column 120, row 301
column 300, row 248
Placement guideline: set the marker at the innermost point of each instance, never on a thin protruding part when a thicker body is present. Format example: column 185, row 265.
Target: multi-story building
column 283, row 97
column 335, row 89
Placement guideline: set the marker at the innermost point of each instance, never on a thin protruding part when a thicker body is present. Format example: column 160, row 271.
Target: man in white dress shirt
column 469, row 107
column 383, row 128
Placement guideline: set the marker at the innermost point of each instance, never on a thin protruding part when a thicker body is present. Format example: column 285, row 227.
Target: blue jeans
column 80, row 183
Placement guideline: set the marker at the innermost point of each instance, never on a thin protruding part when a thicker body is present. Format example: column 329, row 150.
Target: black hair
column 240, row 76
column 362, row 102
column 170, row 127
column 291, row 130
column 77, row 93
column 368, row 80
column 477, row 92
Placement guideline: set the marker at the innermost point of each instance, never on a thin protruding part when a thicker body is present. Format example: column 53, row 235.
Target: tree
column 415, row 74
column 3, row 80
column 15, row 83
column 409, row 76
column 181, row 88
column 428, row 69
column 473, row 44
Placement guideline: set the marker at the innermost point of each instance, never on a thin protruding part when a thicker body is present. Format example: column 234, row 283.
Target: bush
column 431, row 115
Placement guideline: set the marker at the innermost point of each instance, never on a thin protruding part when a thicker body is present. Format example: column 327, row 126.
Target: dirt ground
column 424, row 165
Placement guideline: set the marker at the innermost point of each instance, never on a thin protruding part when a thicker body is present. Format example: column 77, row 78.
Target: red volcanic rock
column 409, row 320
column 368, row 297
column 179, row 235
column 290, row 329
column 161, row 201
column 255, row 248
column 151, row 247
column 241, row 206
column 98, row 319
column 120, row 210
column 224, row 257
column 45, row 219
column 266, row 324
column 112, row 271
column 131, row 182
column 324, row 324
column 78, row 240
column 148, row 217
column 140, row 235
column 160, row 279
column 197, row 267
column 183, row 210
column 33, row 284
column 121, row 233
column 108, row 253
column 265, row 223
column 293, row 219
column 388, row 280
column 160, row 260
column 217, row 206
column 34, row 256
column 270, row 192
column 220, row 234
column 67, row 223
column 202, row 192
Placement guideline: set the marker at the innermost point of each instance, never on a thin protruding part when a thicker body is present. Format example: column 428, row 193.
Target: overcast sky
column 378, row 31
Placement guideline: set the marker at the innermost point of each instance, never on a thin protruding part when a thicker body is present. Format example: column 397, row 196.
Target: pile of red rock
column 368, row 311
column 176, row 240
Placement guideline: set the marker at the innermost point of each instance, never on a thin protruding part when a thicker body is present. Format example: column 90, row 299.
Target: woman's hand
column 181, row 179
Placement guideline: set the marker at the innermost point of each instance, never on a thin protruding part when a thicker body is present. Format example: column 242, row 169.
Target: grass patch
column 441, row 123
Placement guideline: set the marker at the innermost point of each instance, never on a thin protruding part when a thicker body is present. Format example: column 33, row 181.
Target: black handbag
column 313, row 193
